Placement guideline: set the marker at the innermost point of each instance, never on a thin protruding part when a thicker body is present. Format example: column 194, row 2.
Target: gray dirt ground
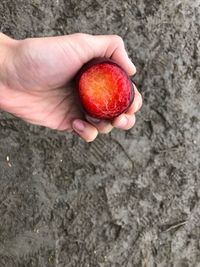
column 129, row 199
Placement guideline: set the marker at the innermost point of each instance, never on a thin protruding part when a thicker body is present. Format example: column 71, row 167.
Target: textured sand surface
column 129, row 199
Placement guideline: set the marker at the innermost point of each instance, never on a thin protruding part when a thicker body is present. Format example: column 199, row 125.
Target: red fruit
column 104, row 88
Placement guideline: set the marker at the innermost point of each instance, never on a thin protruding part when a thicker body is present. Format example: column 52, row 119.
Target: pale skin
column 36, row 81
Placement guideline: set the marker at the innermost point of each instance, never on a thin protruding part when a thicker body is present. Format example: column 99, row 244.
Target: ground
column 129, row 199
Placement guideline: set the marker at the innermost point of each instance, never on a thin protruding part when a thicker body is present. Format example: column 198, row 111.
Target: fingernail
column 122, row 122
column 78, row 126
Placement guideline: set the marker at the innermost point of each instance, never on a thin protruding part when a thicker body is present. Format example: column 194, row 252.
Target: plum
column 104, row 88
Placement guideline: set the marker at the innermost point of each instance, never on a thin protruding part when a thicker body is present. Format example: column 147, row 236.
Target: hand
column 36, row 82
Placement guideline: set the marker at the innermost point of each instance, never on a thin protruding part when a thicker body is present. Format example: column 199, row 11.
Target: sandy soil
column 129, row 199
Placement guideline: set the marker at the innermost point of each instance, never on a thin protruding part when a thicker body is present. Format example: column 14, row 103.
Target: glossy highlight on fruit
column 104, row 88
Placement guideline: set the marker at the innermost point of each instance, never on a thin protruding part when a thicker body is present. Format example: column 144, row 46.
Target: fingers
column 110, row 46
column 102, row 126
column 89, row 132
column 127, row 120
column 137, row 102
column 85, row 130
column 120, row 55
column 89, row 129
column 124, row 121
column 114, row 48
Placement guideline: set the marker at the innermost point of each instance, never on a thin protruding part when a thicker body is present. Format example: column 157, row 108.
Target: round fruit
column 104, row 88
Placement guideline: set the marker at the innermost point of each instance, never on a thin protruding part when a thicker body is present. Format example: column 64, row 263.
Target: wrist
column 6, row 54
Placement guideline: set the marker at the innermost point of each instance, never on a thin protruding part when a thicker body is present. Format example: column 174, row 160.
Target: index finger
column 111, row 46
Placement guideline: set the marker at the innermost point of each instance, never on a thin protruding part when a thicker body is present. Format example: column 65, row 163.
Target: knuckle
column 80, row 35
column 118, row 39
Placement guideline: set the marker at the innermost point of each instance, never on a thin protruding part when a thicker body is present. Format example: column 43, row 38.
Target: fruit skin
column 121, row 98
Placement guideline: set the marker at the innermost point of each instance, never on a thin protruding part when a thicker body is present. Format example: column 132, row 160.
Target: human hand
column 36, row 82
